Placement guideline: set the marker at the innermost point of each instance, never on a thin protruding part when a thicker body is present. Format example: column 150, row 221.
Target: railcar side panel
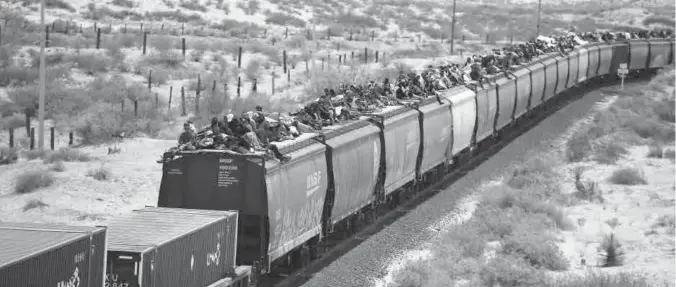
column 539, row 83
column 582, row 64
column 594, row 61
column 605, row 59
column 487, row 107
column 296, row 192
column 464, row 113
column 659, row 53
column 639, row 54
column 506, row 100
column 562, row 83
column 551, row 71
column 573, row 68
column 402, row 141
column 437, row 127
column 620, row 56
column 355, row 162
column 523, row 92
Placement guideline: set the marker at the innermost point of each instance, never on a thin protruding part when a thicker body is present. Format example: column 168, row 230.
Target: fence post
column 288, row 78
column 162, row 28
column 273, row 82
column 183, row 46
column 352, row 56
column 122, row 106
column 350, row 34
column 95, row 26
column 182, row 28
column 373, row 35
column 239, row 57
column 11, row 137
column 125, row 28
column 340, row 59
column 150, row 79
column 46, row 36
column 286, row 32
column 145, row 40
column 135, row 108
column 284, row 59
column 328, row 34
column 141, row 27
column 366, row 55
column 239, row 85
column 28, row 124
column 32, row 138
column 182, row 101
column 376, row 56
column 51, row 138
column 322, row 63
column 98, row 38
column 197, row 94
column 171, row 91
column 80, row 28
column 157, row 100
column 70, row 138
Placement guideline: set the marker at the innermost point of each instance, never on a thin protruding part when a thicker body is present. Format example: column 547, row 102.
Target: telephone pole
column 41, row 108
column 453, row 28
column 537, row 29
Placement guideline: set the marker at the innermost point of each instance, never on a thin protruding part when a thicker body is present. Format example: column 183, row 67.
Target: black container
column 168, row 248
column 51, row 255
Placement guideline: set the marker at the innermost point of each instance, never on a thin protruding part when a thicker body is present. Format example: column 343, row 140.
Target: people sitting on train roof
column 188, row 135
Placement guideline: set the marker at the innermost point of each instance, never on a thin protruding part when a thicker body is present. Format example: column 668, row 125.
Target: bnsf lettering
column 227, row 167
column 224, row 160
column 313, row 179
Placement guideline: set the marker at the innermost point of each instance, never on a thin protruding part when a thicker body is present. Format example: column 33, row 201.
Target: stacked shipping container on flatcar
column 160, row 247
column 37, row 255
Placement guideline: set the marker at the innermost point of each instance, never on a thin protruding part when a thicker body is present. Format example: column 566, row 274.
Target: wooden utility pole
column 537, row 28
column 453, row 28
column 41, row 103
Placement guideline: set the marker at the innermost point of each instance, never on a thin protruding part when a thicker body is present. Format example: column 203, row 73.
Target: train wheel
column 301, row 256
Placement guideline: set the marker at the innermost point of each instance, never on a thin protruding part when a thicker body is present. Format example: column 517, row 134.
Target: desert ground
column 91, row 90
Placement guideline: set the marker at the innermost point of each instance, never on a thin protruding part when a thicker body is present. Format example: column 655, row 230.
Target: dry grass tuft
column 101, row 174
column 655, row 151
column 58, row 166
column 67, row 155
column 33, row 204
column 33, row 180
column 593, row 279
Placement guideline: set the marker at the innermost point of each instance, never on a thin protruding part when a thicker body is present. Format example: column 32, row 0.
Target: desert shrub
column 162, row 43
column 92, row 64
column 67, row 155
column 468, row 238
column 33, row 180
column 510, row 270
column 611, row 252
column 169, row 60
column 123, row 3
column 177, row 16
column 595, row 279
column 8, row 155
column 16, row 76
column 655, row 151
column 33, row 204
column 535, row 174
column 609, row 152
column 587, row 190
column 59, row 4
column 194, row 6
column 35, row 154
column 670, row 153
column 283, row 19
column 253, row 70
column 628, row 176
column 101, row 174
column 58, row 166
column 536, row 248
column 578, row 146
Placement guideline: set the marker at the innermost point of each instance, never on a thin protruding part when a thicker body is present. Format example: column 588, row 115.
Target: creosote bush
column 628, row 176
column 611, row 252
column 33, row 180
column 101, row 174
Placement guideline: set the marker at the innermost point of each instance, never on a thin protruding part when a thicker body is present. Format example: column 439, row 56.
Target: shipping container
column 242, row 278
column 228, row 240
column 51, row 255
column 162, row 248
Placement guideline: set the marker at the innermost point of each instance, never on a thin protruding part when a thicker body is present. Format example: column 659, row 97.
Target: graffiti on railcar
column 214, row 257
column 298, row 221
column 73, row 281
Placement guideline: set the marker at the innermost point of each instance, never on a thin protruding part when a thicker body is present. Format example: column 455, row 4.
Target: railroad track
column 339, row 243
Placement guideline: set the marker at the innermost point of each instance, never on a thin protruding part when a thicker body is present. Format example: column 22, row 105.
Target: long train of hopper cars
column 338, row 175
column 223, row 212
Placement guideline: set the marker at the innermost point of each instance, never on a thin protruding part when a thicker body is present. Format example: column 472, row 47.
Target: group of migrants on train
column 256, row 131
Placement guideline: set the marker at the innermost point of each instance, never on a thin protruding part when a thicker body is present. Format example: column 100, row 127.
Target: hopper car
column 341, row 173
column 247, row 215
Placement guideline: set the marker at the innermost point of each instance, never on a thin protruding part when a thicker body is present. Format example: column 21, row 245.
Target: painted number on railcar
column 227, row 172
column 313, row 182
column 112, row 281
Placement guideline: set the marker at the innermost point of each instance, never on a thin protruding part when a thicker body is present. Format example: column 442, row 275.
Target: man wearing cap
column 188, row 135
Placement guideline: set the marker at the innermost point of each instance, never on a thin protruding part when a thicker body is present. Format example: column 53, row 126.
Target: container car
column 171, row 248
column 341, row 173
column 51, row 255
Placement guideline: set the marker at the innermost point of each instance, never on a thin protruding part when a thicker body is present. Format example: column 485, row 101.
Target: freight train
column 221, row 213
column 337, row 175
